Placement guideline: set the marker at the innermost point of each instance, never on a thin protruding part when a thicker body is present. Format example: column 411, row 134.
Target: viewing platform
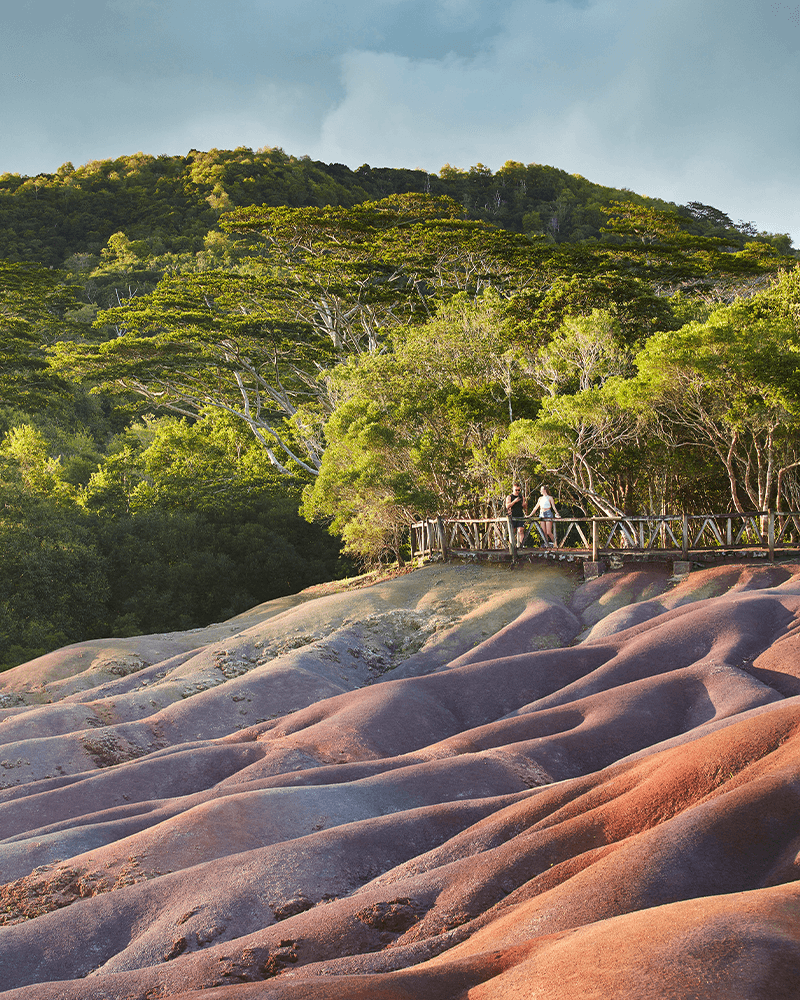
column 609, row 542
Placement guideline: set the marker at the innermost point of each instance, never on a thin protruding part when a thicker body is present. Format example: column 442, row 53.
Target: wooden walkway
column 599, row 541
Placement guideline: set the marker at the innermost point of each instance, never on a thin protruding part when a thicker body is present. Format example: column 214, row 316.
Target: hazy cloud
column 686, row 100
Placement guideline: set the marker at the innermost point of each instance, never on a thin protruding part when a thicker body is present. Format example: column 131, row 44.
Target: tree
column 212, row 339
column 317, row 287
column 414, row 432
column 33, row 302
column 659, row 247
column 631, row 301
column 731, row 386
column 355, row 274
column 582, row 354
column 640, row 222
column 592, row 444
column 197, row 525
column 52, row 570
column 722, row 392
column 182, row 524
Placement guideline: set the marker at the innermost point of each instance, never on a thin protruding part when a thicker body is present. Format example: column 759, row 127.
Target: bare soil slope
column 466, row 782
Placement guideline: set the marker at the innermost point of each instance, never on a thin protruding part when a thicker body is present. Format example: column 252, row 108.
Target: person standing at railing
column 517, row 508
column 545, row 506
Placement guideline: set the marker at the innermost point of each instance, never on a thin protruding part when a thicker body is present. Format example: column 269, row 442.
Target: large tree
column 719, row 394
column 415, row 431
column 213, row 339
column 731, row 386
column 590, row 446
column 312, row 288
column 33, row 303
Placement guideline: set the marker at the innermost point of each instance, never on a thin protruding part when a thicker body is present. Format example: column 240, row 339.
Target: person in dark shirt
column 517, row 508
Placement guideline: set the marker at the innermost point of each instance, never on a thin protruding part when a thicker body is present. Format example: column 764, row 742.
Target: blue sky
column 688, row 100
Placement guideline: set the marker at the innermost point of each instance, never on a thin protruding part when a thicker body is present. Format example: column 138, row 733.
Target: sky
column 686, row 100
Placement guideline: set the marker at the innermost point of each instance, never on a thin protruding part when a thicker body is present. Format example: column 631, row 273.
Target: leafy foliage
column 33, row 304
column 179, row 525
column 414, row 431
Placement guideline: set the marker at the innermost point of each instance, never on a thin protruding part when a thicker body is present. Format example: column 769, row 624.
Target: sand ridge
column 466, row 782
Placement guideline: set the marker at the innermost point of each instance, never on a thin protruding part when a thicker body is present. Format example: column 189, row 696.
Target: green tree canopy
column 33, row 304
column 414, row 432
column 314, row 286
column 721, row 395
column 731, row 385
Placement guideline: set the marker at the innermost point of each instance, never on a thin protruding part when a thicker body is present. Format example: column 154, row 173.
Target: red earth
column 466, row 782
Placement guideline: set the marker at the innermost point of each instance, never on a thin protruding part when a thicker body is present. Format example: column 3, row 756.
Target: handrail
column 684, row 533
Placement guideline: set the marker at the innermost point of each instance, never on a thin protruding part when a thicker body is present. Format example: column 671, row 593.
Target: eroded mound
column 466, row 782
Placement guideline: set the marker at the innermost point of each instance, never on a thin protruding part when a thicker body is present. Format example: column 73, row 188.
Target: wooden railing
column 592, row 537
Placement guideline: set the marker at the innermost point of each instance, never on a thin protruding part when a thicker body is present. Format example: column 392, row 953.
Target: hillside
column 464, row 782
column 168, row 204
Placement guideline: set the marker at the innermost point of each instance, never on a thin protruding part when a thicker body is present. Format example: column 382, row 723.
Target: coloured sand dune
column 465, row 782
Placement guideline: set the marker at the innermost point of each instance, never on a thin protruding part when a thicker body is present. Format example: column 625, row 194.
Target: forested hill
column 218, row 372
column 168, row 204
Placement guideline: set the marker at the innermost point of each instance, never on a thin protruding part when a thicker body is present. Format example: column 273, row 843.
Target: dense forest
column 225, row 376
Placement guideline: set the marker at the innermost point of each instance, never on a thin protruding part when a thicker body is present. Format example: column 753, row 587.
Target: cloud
column 93, row 78
column 685, row 100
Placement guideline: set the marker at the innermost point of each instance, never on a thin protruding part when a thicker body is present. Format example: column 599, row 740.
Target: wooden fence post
column 771, row 534
column 512, row 537
column 595, row 539
column 442, row 539
column 685, row 543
